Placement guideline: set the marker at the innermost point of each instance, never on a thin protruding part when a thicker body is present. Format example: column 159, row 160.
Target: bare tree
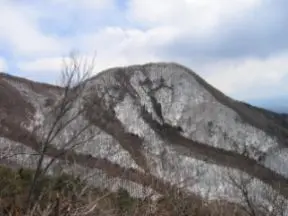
column 61, row 129
column 256, row 198
column 241, row 184
column 273, row 203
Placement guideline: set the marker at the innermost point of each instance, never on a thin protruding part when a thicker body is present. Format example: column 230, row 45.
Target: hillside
column 152, row 128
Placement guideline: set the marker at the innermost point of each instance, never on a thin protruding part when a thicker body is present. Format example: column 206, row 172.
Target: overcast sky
column 239, row 46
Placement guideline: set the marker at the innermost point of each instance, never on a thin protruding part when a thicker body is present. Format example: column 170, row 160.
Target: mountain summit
column 155, row 126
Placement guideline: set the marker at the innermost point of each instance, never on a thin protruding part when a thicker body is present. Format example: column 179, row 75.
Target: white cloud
column 42, row 65
column 249, row 78
column 164, row 21
column 3, row 65
column 113, row 40
column 19, row 29
column 94, row 4
column 192, row 15
column 104, row 61
column 22, row 32
column 114, row 47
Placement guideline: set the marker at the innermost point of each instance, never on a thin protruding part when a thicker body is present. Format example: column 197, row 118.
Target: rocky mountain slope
column 152, row 128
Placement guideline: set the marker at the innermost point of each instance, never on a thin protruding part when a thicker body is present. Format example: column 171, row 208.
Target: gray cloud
column 260, row 33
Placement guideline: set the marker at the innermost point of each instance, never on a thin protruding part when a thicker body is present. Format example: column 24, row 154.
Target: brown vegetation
column 67, row 195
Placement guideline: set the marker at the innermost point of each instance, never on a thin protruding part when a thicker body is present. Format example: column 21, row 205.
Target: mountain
column 156, row 127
